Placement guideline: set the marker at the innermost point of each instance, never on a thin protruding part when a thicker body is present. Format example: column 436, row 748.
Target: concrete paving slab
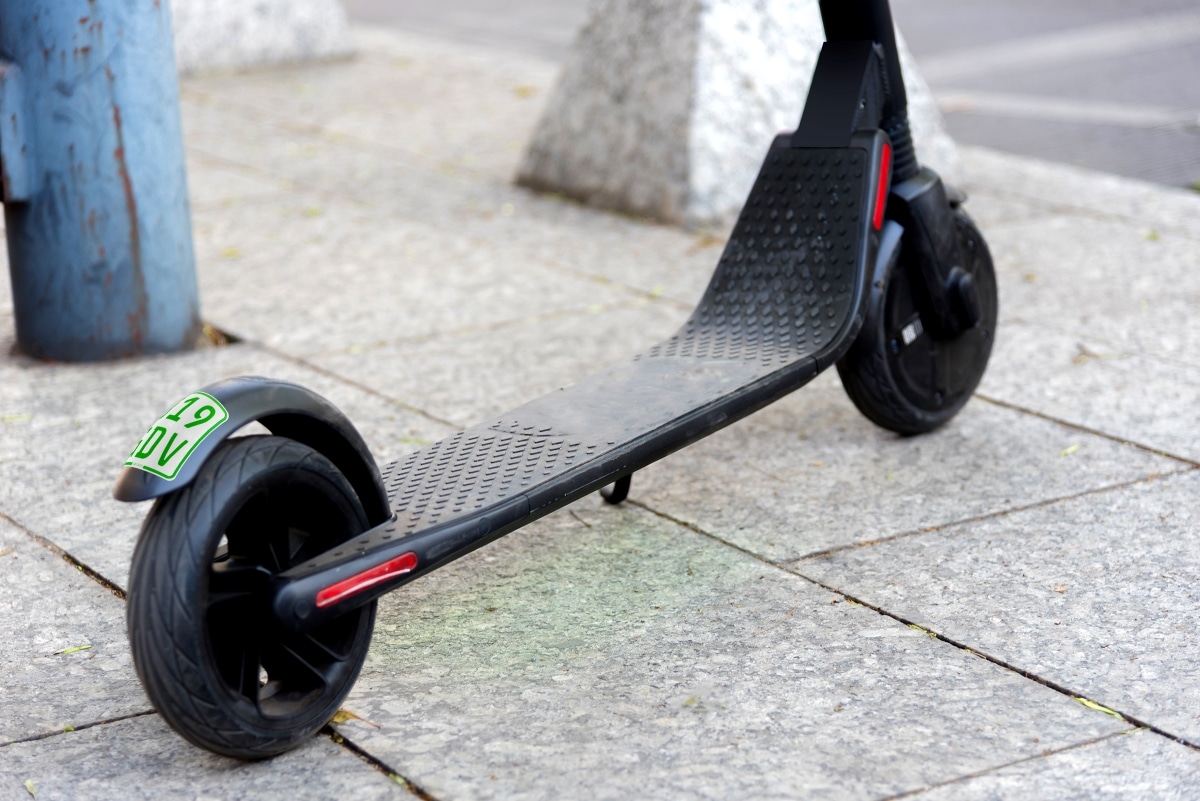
column 1139, row 765
column 544, row 29
column 811, row 473
column 1115, row 281
column 1136, row 397
column 1106, row 326
column 439, row 102
column 48, row 607
column 494, row 216
column 308, row 158
column 657, row 260
column 1097, row 594
column 143, row 759
column 988, row 208
column 394, row 279
column 214, row 184
column 611, row 654
column 66, row 430
column 467, row 378
column 1098, row 302
column 263, row 132
column 369, row 168
column 1059, row 187
column 1163, row 328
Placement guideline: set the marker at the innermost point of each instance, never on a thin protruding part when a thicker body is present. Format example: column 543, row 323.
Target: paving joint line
column 301, row 361
column 485, row 180
column 81, row 727
column 335, row 194
column 292, row 183
column 652, row 295
column 1049, row 683
column 1059, row 688
column 1086, row 430
column 324, row 134
column 988, row 516
column 378, row 764
column 1049, row 752
column 256, row 199
column 66, row 556
column 498, row 326
column 1025, row 674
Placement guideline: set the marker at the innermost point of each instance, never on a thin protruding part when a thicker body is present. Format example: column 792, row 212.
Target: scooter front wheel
column 898, row 374
column 216, row 666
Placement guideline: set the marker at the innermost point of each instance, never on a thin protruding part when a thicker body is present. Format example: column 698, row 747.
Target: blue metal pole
column 93, row 179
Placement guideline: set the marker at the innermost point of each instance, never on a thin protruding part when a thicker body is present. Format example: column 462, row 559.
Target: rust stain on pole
column 136, row 319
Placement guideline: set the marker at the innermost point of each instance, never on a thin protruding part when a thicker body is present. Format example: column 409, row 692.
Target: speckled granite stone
column 64, row 659
column 141, row 759
column 604, row 653
column 1097, row 594
column 1139, row 765
column 224, row 34
column 666, row 108
column 615, row 131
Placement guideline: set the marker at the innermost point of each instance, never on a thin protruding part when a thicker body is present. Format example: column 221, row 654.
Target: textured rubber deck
column 782, row 291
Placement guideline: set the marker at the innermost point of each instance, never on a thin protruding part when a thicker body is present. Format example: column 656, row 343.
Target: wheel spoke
column 256, row 532
column 307, row 544
column 236, row 580
column 236, row 652
column 249, row 672
column 277, row 561
column 296, row 666
column 334, row 640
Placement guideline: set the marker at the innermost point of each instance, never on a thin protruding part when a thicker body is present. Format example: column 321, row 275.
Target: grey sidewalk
column 801, row 606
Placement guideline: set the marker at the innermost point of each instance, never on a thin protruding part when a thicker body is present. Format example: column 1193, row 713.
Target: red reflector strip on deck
column 881, row 191
column 405, row 563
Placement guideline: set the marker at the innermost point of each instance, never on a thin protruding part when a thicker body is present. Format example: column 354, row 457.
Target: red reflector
column 368, row 578
column 881, row 191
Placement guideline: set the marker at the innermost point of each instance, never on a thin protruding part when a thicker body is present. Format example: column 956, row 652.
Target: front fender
column 286, row 410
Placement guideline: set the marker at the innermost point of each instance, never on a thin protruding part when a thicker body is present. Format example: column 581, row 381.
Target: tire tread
column 165, row 613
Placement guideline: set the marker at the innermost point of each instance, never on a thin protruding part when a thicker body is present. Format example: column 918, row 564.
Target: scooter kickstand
column 619, row 491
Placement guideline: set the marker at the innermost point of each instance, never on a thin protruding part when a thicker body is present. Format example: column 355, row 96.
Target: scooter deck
column 783, row 304
column 780, row 295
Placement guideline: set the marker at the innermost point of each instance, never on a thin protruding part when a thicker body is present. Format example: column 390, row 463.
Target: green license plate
column 174, row 436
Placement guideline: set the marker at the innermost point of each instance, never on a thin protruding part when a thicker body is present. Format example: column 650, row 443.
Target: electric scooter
column 254, row 581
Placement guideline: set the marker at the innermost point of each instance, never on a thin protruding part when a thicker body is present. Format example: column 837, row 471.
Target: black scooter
column 253, row 586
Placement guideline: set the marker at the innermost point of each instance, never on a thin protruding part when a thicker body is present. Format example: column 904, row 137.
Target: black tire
column 214, row 664
column 914, row 387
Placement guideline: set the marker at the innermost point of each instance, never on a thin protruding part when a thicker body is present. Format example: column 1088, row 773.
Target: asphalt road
column 1106, row 84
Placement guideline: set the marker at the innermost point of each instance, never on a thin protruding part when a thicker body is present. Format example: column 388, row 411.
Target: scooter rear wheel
column 206, row 649
column 898, row 374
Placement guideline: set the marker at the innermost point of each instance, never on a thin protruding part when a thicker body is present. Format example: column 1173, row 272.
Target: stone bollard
column 666, row 107
column 94, row 183
column 235, row 34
